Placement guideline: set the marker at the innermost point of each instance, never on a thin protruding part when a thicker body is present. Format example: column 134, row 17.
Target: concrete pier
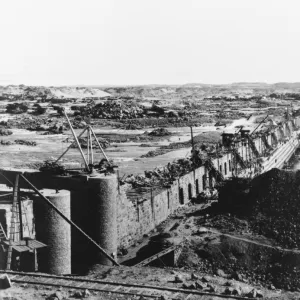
column 104, row 199
column 54, row 231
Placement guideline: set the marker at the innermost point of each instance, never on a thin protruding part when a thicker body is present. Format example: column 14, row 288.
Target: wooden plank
column 156, row 256
column 12, row 223
column 92, row 285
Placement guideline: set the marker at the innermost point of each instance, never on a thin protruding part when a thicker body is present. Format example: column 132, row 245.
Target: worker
column 207, row 194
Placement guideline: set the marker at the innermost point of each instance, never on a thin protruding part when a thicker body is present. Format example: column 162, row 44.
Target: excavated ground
column 251, row 235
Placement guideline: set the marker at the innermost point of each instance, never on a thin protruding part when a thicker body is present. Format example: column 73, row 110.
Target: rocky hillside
column 200, row 91
column 192, row 91
column 45, row 93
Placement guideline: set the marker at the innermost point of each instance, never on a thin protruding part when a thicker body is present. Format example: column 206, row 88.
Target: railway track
column 147, row 291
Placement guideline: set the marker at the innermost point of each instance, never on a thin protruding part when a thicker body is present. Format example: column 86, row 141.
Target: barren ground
column 220, row 246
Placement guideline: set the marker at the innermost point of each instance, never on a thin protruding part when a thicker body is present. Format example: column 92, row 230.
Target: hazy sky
column 57, row 42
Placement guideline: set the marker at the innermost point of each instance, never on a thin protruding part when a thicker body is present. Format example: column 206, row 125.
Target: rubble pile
column 6, row 143
column 52, row 168
column 162, row 176
column 154, row 153
column 112, row 110
column 50, row 128
column 274, row 197
column 5, row 132
column 265, row 210
column 19, row 142
column 159, row 132
column 16, row 108
column 52, row 125
column 26, row 143
column 242, row 260
column 269, row 202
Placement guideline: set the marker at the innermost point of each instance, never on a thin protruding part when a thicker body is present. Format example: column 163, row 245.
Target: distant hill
column 196, row 91
column 63, row 92
column 189, row 91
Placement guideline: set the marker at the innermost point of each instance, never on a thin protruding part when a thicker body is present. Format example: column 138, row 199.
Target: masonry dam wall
column 138, row 212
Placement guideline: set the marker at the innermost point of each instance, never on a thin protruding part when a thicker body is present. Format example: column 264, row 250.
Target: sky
column 134, row 42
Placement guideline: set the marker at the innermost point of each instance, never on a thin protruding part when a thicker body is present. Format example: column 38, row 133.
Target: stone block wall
column 136, row 217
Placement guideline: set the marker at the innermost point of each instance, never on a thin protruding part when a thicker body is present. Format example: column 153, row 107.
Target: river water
column 125, row 155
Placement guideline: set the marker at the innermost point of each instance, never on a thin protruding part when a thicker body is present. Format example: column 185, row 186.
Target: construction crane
column 244, row 134
column 89, row 162
column 250, row 140
column 259, row 125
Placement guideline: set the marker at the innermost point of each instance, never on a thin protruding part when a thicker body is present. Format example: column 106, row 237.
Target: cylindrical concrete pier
column 104, row 198
column 54, row 231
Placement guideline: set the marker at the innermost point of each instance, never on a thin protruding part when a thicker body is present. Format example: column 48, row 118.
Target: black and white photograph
column 150, row 149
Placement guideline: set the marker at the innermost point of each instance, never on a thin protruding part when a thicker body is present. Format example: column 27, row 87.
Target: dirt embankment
column 270, row 203
column 240, row 254
column 264, row 215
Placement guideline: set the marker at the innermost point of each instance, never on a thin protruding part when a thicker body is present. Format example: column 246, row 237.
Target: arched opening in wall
column 220, row 168
column 225, row 168
column 204, row 184
column 190, row 191
column 3, row 220
column 168, row 193
column 197, row 186
column 229, row 165
column 181, row 196
column 210, row 180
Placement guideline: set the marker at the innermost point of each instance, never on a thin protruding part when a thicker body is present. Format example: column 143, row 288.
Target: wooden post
column 76, row 140
column 192, row 138
column 35, row 260
column 70, row 146
column 88, row 145
column 118, row 174
column 138, row 210
column 152, row 205
column 91, row 141
column 20, row 212
column 99, row 145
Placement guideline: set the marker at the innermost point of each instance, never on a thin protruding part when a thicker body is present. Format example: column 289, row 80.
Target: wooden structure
column 21, row 252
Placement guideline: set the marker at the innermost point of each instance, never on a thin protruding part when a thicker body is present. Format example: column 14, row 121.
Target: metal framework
column 91, row 136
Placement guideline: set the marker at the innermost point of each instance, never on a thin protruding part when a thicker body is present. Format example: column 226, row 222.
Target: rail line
column 147, row 291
